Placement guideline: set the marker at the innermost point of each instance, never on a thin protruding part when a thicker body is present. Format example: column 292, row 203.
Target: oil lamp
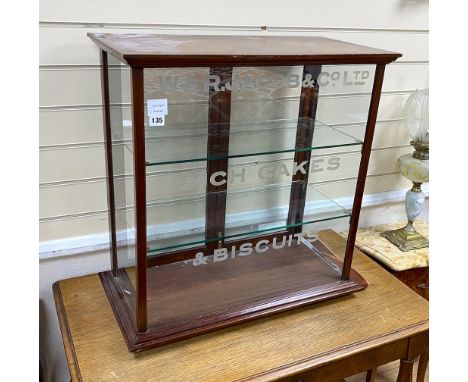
column 414, row 167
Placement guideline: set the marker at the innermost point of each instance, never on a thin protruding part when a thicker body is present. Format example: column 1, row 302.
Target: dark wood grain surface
column 181, row 292
column 162, row 50
column 363, row 166
column 304, row 138
column 139, row 167
column 106, row 118
column 415, row 278
column 217, row 145
column 186, row 300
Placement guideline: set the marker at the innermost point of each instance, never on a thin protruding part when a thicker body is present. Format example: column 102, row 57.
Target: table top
column 262, row 350
column 371, row 242
column 237, row 49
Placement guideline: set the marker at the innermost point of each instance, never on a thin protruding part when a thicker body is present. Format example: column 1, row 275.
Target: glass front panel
column 123, row 174
column 244, row 166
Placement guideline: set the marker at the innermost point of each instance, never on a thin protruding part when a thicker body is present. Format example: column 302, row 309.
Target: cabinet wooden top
column 144, row 50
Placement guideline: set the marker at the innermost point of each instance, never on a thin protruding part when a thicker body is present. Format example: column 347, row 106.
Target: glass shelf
column 249, row 213
column 172, row 145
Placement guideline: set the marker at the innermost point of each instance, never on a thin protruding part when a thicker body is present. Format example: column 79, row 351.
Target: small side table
column 411, row 268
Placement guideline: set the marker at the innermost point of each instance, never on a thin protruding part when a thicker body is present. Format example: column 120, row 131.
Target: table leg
column 405, row 374
column 422, row 366
column 371, row 373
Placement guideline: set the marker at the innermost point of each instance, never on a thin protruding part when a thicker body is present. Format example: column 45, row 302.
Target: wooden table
column 323, row 342
column 411, row 268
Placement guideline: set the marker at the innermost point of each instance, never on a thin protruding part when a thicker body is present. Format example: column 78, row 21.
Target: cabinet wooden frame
column 132, row 315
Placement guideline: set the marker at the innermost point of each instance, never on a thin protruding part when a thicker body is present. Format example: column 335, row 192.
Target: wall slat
column 389, row 14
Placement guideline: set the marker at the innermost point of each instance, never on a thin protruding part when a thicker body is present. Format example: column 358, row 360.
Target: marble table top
column 369, row 241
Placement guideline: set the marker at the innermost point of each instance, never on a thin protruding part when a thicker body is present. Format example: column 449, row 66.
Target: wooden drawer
column 417, row 279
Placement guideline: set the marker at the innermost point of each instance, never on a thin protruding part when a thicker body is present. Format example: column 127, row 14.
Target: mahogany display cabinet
column 225, row 156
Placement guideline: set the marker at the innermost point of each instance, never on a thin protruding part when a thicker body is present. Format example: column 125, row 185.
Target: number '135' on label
column 156, row 120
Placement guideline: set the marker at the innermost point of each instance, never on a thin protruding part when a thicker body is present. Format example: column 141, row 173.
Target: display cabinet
column 225, row 156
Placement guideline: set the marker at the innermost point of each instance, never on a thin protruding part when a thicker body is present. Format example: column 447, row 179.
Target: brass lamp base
column 406, row 238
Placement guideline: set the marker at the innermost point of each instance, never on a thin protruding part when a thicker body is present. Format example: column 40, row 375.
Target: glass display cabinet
column 226, row 155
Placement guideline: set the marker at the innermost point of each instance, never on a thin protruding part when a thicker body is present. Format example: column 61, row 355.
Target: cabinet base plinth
column 186, row 300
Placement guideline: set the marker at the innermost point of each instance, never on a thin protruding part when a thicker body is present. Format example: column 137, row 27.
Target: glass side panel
column 122, row 163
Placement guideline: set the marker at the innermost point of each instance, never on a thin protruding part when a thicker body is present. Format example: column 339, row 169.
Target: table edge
column 70, row 353
column 322, row 359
